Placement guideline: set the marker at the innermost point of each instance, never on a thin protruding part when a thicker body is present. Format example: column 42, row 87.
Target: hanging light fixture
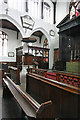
column 29, row 40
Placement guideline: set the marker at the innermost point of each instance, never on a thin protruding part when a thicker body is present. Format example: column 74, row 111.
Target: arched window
column 74, row 9
column 45, row 44
column 3, row 44
column 47, row 13
column 17, row 5
column 34, row 8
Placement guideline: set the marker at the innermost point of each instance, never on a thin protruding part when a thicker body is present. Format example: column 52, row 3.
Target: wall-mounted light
column 51, row 32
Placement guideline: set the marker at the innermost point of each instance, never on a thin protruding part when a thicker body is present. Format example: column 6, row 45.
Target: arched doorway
column 15, row 33
column 8, row 22
column 40, row 49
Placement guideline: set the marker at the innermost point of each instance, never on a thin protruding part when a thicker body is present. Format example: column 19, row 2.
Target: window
column 17, row 5
column 3, row 43
column 47, row 13
column 33, row 8
column 45, row 44
column 45, row 52
column 6, row 1
column 74, row 9
column 1, row 1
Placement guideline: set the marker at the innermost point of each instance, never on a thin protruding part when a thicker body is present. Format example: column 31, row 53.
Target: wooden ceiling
column 8, row 25
column 38, row 34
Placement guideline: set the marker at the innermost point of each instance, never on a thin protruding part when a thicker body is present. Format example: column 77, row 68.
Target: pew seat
column 29, row 105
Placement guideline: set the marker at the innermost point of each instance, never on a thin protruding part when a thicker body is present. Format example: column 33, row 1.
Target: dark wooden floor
column 9, row 109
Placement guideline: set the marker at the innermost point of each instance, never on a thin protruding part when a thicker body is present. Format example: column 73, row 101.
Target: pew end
column 46, row 110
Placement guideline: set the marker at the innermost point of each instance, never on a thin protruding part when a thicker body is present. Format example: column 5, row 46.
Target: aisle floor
column 9, row 108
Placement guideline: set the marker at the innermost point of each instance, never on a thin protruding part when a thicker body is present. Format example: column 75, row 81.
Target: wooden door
column 56, row 55
column 19, row 53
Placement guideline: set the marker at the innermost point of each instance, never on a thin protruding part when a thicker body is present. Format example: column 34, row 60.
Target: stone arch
column 14, row 22
column 44, row 32
column 49, row 43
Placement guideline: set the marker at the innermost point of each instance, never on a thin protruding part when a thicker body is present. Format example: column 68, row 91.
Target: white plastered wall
column 13, row 43
column 14, row 16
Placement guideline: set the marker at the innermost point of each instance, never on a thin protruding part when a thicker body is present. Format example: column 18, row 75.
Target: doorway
column 56, row 55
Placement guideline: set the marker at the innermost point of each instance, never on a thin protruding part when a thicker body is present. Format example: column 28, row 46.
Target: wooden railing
column 41, row 72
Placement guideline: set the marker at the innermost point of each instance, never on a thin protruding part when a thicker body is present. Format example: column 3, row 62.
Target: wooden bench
column 68, row 78
column 64, row 77
column 15, row 74
column 66, row 97
column 1, row 75
column 29, row 105
column 41, row 72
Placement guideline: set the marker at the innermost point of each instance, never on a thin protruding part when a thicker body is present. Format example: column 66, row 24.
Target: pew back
column 39, row 71
column 68, row 78
column 66, row 97
column 15, row 74
column 65, row 77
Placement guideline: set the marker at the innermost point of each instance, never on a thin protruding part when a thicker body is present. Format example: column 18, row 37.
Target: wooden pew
column 29, row 105
column 41, row 72
column 71, row 79
column 66, row 97
column 15, row 74
column 1, row 75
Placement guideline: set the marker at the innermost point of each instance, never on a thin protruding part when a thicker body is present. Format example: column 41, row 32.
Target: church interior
column 40, row 59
